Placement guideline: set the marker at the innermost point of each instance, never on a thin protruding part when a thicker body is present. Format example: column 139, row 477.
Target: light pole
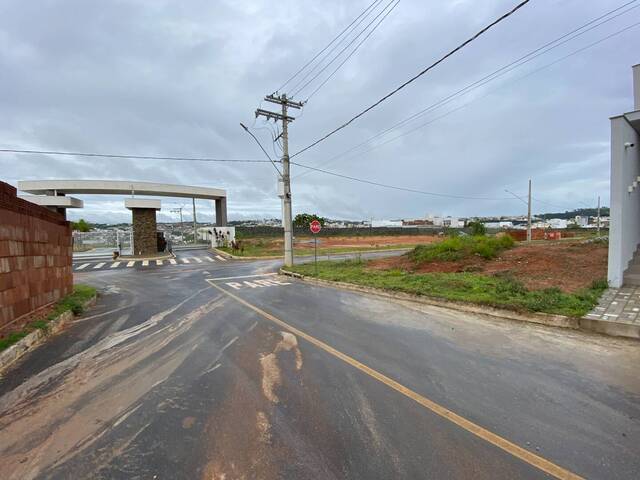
column 528, row 204
column 179, row 210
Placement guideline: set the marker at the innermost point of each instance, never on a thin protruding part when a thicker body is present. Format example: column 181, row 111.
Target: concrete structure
column 58, row 204
column 624, row 233
column 52, row 193
column 143, row 212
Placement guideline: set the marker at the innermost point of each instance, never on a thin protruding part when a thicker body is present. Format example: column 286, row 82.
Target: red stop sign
column 315, row 226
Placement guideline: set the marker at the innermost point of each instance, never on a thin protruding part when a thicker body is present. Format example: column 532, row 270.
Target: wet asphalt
column 168, row 377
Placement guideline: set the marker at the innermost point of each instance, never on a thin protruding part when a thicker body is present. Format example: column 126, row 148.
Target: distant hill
column 583, row 212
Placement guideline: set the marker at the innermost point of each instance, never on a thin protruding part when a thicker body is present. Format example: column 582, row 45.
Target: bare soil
column 567, row 266
column 365, row 241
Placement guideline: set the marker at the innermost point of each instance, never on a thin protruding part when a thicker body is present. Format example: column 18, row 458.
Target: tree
column 477, row 228
column 304, row 219
column 81, row 226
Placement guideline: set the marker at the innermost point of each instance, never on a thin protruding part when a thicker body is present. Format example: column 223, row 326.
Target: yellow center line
column 494, row 439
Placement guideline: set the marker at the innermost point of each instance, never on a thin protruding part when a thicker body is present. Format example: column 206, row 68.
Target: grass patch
column 73, row 302
column 457, row 248
column 496, row 291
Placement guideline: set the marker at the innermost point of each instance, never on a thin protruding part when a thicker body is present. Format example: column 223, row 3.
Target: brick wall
column 145, row 240
column 35, row 256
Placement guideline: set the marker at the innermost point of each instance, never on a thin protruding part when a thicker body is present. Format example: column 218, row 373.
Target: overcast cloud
column 176, row 78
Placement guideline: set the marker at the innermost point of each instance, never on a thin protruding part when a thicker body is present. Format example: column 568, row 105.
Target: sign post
column 315, row 228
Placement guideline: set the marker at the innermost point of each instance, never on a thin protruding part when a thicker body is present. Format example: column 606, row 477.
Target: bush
column 457, row 248
column 477, row 228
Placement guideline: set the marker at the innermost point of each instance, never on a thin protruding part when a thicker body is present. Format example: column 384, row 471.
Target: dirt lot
column 365, row 241
column 568, row 266
column 303, row 244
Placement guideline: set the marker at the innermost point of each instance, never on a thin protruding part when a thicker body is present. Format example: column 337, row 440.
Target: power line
column 299, row 89
column 552, row 205
column 135, row 157
column 497, row 73
column 422, row 125
column 261, row 147
column 415, row 77
column 395, row 187
column 330, row 52
column 353, row 51
column 328, row 45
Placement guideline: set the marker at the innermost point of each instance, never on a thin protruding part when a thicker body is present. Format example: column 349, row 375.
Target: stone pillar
column 143, row 212
column 221, row 212
column 144, row 231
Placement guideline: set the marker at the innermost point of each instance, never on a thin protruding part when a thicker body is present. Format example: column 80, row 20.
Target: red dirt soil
column 567, row 266
column 370, row 241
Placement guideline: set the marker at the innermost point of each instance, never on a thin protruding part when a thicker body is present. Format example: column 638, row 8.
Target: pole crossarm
column 273, row 115
column 280, row 100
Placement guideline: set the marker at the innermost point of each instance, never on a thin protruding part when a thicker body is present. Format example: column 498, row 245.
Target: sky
column 176, row 79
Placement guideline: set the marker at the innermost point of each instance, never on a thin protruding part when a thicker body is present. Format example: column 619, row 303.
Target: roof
column 118, row 187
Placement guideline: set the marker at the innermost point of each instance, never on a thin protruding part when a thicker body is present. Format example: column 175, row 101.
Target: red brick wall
column 541, row 234
column 35, row 256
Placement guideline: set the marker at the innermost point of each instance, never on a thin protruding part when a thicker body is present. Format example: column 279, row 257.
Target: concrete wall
column 624, row 233
column 636, row 86
column 145, row 239
column 35, row 256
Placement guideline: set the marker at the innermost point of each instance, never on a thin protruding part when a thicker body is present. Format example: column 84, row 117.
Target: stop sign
column 315, row 226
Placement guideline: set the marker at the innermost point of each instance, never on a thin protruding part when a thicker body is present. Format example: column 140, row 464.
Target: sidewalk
column 618, row 305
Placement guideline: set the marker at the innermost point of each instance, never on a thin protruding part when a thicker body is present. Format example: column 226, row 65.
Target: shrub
column 477, row 228
column 457, row 248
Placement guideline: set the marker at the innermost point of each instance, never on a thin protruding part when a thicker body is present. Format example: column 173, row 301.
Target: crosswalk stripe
column 172, row 261
column 199, row 260
column 221, row 258
column 210, row 259
column 99, row 265
column 145, row 263
column 131, row 263
column 115, row 265
column 84, row 265
column 185, row 260
column 159, row 262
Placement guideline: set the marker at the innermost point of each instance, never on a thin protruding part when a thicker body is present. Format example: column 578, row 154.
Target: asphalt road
column 225, row 370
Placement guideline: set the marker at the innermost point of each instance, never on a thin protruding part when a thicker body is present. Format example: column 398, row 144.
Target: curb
column 125, row 258
column 560, row 321
column 35, row 338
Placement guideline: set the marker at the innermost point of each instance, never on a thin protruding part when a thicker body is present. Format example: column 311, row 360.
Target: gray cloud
column 176, row 79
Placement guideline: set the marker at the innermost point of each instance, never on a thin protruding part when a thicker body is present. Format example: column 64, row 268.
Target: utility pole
column 598, row 215
column 529, row 214
column 285, row 191
column 179, row 210
column 195, row 222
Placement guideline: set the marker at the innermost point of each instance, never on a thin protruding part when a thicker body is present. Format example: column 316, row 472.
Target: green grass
column 495, row 291
column 458, row 248
column 73, row 302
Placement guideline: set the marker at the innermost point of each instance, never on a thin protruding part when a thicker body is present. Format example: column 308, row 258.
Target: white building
column 442, row 221
column 624, row 233
column 498, row 224
column 386, row 223
column 557, row 223
column 581, row 221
